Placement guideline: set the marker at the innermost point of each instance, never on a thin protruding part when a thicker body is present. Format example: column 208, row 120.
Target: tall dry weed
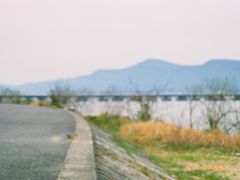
column 170, row 134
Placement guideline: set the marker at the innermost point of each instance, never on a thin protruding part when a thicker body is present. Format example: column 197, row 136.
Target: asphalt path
column 33, row 142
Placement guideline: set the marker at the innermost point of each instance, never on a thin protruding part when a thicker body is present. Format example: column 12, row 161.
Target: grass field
column 182, row 152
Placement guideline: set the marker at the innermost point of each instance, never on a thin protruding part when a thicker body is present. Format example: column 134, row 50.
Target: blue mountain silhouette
column 144, row 76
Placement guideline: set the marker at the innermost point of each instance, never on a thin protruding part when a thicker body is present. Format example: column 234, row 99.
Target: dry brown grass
column 170, row 134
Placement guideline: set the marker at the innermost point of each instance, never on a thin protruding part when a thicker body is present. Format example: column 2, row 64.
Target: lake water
column 177, row 112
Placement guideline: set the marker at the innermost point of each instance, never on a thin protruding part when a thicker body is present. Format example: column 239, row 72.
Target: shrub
column 56, row 100
column 144, row 114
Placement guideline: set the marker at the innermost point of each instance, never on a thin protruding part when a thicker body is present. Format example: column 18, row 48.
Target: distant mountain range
column 144, row 76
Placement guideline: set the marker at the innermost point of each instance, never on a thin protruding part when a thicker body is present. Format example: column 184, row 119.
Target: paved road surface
column 33, row 143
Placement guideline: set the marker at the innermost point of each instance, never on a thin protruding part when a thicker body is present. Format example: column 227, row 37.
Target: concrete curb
column 80, row 159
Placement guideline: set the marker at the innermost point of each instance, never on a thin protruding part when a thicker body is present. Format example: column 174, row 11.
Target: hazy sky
column 49, row 39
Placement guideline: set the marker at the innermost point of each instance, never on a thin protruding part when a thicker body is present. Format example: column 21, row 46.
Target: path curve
column 33, row 142
column 80, row 161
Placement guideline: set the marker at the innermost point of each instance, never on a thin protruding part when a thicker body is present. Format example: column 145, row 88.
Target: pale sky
column 50, row 39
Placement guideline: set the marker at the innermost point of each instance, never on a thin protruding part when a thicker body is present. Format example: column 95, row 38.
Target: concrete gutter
column 80, row 159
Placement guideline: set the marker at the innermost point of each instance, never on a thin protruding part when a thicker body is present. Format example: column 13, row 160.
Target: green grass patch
column 207, row 175
column 129, row 147
column 110, row 123
column 72, row 136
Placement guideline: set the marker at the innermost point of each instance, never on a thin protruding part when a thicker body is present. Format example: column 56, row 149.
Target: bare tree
column 139, row 96
column 81, row 102
column 145, row 99
column 60, row 94
column 192, row 93
column 10, row 96
column 236, row 117
column 112, row 104
column 217, row 106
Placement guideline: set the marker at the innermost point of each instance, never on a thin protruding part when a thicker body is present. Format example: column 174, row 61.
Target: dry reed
column 170, row 134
